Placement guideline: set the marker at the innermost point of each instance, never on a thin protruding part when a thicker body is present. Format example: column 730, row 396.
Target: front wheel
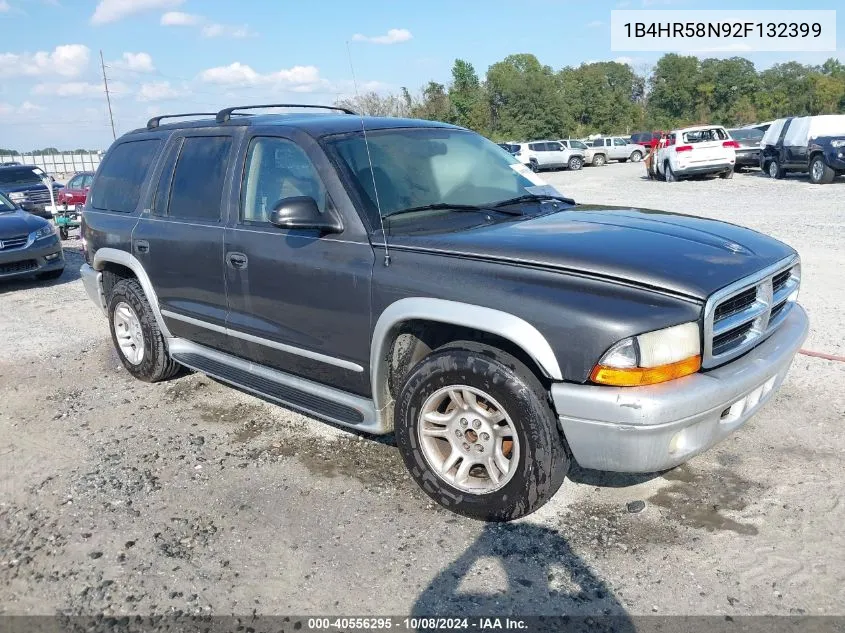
column 599, row 160
column 575, row 163
column 820, row 173
column 668, row 174
column 136, row 335
column 535, row 167
column 476, row 432
column 636, row 156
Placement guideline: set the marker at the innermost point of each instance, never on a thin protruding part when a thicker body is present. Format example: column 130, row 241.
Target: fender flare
column 490, row 320
column 117, row 256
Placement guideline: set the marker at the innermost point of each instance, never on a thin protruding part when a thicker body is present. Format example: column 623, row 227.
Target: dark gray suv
column 407, row 276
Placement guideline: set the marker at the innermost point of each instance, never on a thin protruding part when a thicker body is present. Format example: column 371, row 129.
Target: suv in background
column 748, row 146
column 696, row 151
column 619, row 148
column 28, row 244
column 815, row 144
column 592, row 156
column 539, row 155
column 24, row 185
column 419, row 280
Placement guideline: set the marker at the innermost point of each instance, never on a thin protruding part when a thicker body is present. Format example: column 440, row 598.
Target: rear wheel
column 136, row 335
column 575, row 163
column 535, row 167
column 636, row 156
column 775, row 170
column 820, row 173
column 476, row 431
column 668, row 174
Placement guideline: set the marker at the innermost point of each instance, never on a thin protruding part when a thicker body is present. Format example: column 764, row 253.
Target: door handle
column 142, row 246
column 237, row 260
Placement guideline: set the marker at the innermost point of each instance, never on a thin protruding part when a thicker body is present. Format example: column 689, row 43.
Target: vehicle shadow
column 73, row 261
column 543, row 578
column 607, row 479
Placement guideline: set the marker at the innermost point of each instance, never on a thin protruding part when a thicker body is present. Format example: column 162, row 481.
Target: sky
column 166, row 56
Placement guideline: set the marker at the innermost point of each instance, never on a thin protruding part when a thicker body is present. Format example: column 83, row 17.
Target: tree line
column 521, row 99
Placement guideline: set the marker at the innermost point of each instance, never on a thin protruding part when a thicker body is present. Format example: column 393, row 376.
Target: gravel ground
column 120, row 497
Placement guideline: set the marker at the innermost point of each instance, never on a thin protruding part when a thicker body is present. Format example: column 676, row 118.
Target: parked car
column 618, row 148
column 814, row 144
column 748, row 149
column 646, row 139
column 29, row 245
column 696, row 151
column 75, row 192
column 540, row 155
column 24, row 185
column 592, row 156
column 420, row 281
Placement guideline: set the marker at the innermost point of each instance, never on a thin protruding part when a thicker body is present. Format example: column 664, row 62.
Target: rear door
column 539, row 153
column 558, row 155
column 179, row 239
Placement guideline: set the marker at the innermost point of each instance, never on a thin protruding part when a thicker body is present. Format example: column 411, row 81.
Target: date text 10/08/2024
column 415, row 624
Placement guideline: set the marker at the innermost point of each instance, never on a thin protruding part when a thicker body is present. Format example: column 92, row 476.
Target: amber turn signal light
column 639, row 376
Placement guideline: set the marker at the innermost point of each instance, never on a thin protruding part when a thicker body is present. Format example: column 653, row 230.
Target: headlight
column 651, row 358
column 45, row 231
column 839, row 143
column 17, row 196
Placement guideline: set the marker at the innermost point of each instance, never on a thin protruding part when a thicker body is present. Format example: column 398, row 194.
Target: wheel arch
column 522, row 335
column 114, row 259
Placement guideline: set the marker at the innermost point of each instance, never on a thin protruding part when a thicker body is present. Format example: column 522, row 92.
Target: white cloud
column 4, row 6
column 296, row 79
column 595, row 24
column 79, row 89
column 159, row 91
column 226, row 30
column 393, row 36
column 139, row 62
column 113, row 10
column 624, row 60
column 27, row 107
column 68, row 61
column 177, row 18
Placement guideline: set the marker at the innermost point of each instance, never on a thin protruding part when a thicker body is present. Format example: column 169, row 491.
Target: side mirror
column 301, row 212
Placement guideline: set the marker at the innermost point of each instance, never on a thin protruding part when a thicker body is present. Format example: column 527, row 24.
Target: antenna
column 369, row 160
column 108, row 99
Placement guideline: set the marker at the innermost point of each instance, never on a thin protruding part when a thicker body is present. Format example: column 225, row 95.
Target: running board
column 297, row 393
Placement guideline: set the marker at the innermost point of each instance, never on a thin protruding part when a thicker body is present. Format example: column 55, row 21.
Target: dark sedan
column 748, row 152
column 29, row 245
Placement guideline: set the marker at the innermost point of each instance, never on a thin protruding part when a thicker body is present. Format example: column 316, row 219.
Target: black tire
column 774, row 169
column 575, row 163
column 535, row 167
column 599, row 160
column 544, row 458
column 50, row 274
column 727, row 175
column 156, row 364
column 63, row 232
column 636, row 156
column 668, row 174
column 821, row 174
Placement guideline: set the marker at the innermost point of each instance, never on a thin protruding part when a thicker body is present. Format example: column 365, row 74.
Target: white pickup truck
column 618, row 148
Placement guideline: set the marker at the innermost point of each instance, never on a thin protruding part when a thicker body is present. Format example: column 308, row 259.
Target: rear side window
column 197, row 189
column 619, row 142
column 537, row 147
column 122, row 175
column 705, row 136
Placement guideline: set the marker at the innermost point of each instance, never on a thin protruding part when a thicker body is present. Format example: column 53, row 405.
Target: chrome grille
column 744, row 314
column 38, row 196
column 9, row 243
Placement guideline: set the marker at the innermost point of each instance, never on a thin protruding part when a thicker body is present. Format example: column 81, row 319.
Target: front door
column 179, row 240
column 298, row 299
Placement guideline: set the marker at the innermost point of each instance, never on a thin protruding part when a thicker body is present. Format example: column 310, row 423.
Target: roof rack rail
column 226, row 113
column 156, row 120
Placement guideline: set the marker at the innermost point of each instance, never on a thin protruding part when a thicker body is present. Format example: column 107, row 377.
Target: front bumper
column 648, row 429
column 38, row 257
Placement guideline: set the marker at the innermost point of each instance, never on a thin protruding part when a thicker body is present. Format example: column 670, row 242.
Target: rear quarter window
column 122, row 174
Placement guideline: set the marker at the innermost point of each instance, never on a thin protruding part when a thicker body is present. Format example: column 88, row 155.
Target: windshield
column 5, row 204
column 577, row 145
column 748, row 134
column 417, row 167
column 19, row 176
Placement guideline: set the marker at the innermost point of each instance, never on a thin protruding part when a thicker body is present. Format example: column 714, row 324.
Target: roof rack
column 156, row 120
column 226, row 113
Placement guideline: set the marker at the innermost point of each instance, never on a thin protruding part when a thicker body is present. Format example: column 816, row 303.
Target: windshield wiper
column 444, row 206
column 532, row 197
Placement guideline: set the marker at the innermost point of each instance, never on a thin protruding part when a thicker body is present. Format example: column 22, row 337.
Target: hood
column 32, row 186
column 19, row 223
column 679, row 253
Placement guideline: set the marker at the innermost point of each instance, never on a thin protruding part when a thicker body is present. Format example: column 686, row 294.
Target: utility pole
column 108, row 99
